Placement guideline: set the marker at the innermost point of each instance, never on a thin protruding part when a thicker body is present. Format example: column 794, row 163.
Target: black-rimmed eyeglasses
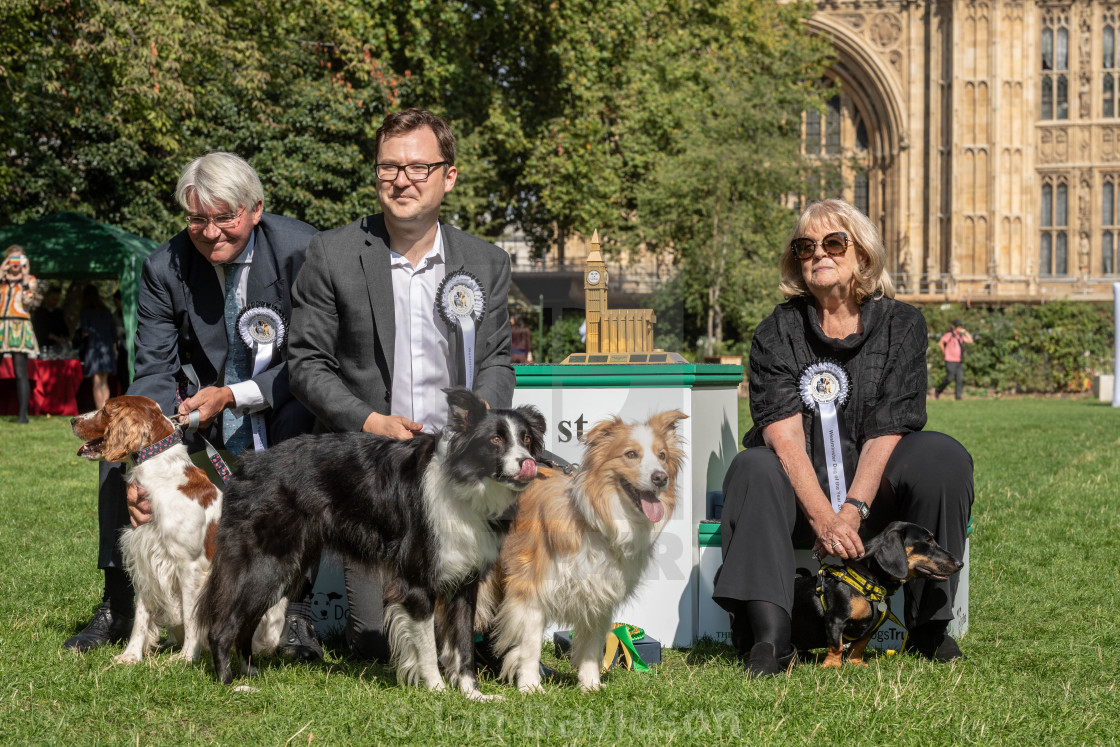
column 834, row 245
column 416, row 172
column 201, row 222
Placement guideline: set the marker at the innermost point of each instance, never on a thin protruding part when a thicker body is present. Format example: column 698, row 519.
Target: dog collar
column 159, row 447
column 874, row 592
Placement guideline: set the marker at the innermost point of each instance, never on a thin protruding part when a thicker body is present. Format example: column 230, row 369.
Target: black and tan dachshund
column 850, row 603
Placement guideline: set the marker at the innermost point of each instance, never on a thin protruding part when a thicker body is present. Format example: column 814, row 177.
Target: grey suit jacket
column 343, row 323
column 181, row 317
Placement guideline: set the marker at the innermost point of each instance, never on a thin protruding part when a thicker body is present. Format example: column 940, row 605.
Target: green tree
column 716, row 196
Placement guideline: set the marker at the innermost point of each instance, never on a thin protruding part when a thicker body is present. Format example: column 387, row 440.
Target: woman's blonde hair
column 871, row 277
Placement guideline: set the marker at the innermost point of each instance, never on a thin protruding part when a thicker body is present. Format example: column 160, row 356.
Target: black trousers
column 927, row 481
column 954, row 371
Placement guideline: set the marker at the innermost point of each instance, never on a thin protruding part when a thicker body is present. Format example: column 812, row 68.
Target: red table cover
column 54, row 387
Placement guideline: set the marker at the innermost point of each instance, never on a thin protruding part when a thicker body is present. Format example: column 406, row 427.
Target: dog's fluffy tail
column 490, row 594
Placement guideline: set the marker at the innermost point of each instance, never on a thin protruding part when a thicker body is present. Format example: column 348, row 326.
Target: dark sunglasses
column 834, row 245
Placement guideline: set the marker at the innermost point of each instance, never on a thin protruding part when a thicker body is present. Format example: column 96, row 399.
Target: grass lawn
column 1042, row 643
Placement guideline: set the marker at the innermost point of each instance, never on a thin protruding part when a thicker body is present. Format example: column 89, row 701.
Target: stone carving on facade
column 1083, row 197
column 1085, row 58
column 855, row 20
column 1108, row 144
column 1054, row 142
column 885, row 29
column 894, row 57
column 1013, row 11
column 904, row 278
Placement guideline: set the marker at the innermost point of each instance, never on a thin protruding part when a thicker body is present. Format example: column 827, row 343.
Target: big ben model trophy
column 615, row 335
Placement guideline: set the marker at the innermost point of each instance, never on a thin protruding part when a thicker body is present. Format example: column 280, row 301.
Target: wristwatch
column 863, row 508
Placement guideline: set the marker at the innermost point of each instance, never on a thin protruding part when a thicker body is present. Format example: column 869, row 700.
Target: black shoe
column 298, row 640
column 763, row 662
column 106, row 626
column 933, row 643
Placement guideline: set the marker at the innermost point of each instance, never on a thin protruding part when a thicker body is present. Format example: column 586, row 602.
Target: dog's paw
column 531, row 688
column 183, row 656
column 593, row 686
column 477, row 696
column 126, row 658
column 246, row 689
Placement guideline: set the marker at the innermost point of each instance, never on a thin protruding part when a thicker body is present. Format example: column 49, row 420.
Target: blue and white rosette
column 824, row 385
column 461, row 301
column 262, row 328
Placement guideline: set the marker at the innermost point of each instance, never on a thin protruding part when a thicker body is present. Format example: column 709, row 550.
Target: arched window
column 1055, row 65
column 1053, row 258
column 838, row 139
column 1109, row 70
column 1110, row 223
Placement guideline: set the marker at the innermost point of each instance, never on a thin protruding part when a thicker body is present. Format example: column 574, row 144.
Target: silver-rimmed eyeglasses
column 201, row 222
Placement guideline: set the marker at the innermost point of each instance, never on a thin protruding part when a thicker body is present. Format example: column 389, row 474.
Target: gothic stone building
column 983, row 138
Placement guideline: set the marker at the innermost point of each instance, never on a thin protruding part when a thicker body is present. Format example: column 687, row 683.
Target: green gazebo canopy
column 70, row 246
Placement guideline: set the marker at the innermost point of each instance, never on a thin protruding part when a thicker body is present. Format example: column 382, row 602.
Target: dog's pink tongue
column 653, row 508
column 528, row 470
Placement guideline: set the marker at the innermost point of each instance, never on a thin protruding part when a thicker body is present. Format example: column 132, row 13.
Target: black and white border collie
column 425, row 511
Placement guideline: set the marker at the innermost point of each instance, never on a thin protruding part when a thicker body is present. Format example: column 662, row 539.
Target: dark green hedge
column 1051, row 347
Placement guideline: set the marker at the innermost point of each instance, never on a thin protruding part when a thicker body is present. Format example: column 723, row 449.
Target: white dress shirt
column 421, row 358
column 247, row 396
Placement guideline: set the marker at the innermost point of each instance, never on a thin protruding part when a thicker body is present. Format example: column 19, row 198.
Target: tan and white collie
column 579, row 545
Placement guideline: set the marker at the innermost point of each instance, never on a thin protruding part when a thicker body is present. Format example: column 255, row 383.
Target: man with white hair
column 231, row 265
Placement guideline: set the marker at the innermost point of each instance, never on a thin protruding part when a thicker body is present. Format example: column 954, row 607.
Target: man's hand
column 139, row 507
column 393, row 426
column 209, row 402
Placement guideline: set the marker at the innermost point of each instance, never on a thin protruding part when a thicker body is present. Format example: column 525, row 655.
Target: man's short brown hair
column 410, row 120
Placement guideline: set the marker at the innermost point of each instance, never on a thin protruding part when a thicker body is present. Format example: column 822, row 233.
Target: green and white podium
column 575, row 397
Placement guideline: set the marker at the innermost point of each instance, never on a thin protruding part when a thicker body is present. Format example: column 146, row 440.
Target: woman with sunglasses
column 17, row 338
column 836, row 452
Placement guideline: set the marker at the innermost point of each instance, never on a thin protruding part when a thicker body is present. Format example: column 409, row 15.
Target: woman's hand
column 838, row 534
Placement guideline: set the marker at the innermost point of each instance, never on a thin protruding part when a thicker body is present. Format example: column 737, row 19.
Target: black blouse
column 885, row 363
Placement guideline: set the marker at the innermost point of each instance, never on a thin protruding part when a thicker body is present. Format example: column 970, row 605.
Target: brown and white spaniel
column 169, row 556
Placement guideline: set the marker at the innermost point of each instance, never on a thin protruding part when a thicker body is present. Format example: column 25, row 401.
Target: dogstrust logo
column 564, row 432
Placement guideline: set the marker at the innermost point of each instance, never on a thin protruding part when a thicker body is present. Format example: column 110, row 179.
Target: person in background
column 72, row 307
column 841, row 362
column 952, row 350
column 521, row 341
column 122, row 355
column 97, row 342
column 18, row 295
column 50, row 323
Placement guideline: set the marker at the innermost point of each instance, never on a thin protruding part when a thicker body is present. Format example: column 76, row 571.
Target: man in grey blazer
column 379, row 326
column 182, row 320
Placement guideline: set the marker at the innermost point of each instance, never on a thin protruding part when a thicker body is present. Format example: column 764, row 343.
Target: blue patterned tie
column 237, row 431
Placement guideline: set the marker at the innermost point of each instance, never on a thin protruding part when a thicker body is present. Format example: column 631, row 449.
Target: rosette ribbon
column 262, row 328
column 460, row 301
column 824, row 385
column 621, row 640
